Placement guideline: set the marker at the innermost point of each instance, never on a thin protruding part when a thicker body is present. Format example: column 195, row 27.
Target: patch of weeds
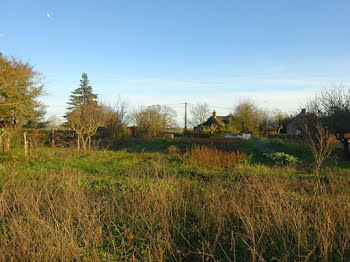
column 281, row 159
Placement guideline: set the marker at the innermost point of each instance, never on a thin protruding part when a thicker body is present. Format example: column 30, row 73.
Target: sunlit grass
column 127, row 206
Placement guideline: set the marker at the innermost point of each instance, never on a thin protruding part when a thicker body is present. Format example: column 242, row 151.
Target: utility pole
column 185, row 116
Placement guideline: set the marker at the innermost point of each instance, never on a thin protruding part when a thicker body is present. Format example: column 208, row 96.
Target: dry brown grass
column 49, row 218
column 73, row 216
column 215, row 158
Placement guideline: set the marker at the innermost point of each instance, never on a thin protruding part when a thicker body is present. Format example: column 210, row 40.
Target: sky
column 168, row 52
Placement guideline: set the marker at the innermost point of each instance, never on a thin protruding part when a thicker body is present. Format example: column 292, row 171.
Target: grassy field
column 167, row 200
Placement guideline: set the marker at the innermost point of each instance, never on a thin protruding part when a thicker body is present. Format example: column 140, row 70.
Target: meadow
column 174, row 200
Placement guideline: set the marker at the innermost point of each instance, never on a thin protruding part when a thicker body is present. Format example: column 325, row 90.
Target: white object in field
column 232, row 135
column 246, row 136
column 235, row 135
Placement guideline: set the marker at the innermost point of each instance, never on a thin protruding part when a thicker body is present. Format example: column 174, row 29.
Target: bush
column 281, row 158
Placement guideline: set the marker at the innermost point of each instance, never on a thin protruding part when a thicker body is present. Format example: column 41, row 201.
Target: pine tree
column 84, row 113
column 82, row 95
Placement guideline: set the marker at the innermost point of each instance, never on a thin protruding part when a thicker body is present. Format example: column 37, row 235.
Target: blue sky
column 175, row 51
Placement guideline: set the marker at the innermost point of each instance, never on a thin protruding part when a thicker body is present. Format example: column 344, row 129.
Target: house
column 294, row 127
column 214, row 122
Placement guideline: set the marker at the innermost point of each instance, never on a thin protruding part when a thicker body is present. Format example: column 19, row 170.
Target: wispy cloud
column 227, row 84
column 2, row 35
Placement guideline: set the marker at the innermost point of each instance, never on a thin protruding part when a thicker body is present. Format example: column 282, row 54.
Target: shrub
column 281, row 158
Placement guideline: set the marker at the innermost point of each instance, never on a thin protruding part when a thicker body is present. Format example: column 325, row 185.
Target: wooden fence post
column 25, row 146
column 53, row 139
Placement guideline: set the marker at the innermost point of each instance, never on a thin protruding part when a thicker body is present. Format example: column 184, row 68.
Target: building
column 214, row 122
column 294, row 127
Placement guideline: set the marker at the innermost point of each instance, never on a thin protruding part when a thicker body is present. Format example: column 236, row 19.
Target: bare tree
column 271, row 120
column 318, row 139
column 282, row 121
column 85, row 121
column 200, row 113
column 332, row 106
column 116, row 118
column 152, row 121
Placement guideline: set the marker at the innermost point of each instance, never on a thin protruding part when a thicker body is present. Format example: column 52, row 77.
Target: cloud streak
column 2, row 35
column 228, row 84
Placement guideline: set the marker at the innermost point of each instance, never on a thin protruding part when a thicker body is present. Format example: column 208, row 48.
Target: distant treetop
column 82, row 95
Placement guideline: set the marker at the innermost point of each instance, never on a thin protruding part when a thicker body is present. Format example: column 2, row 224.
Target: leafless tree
column 152, row 121
column 318, row 139
column 116, row 117
column 332, row 106
column 85, row 121
column 200, row 113
column 268, row 121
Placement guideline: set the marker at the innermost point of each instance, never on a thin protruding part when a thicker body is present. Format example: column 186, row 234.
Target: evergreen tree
column 82, row 95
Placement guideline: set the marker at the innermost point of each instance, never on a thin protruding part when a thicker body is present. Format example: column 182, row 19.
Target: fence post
column 25, row 146
column 53, row 139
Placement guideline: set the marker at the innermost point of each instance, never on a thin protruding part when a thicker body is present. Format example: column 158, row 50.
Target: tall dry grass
column 72, row 216
column 215, row 158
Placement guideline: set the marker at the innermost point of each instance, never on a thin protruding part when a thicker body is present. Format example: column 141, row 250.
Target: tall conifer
column 82, row 95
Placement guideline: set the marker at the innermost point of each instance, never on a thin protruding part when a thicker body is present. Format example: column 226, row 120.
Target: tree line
column 20, row 108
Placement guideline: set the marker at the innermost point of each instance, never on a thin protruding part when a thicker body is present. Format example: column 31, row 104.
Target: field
column 169, row 200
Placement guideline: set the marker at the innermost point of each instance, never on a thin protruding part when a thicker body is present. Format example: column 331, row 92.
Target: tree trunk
column 53, row 139
column 84, row 142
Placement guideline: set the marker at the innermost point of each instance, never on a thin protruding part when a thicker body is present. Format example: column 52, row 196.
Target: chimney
column 214, row 114
column 303, row 111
